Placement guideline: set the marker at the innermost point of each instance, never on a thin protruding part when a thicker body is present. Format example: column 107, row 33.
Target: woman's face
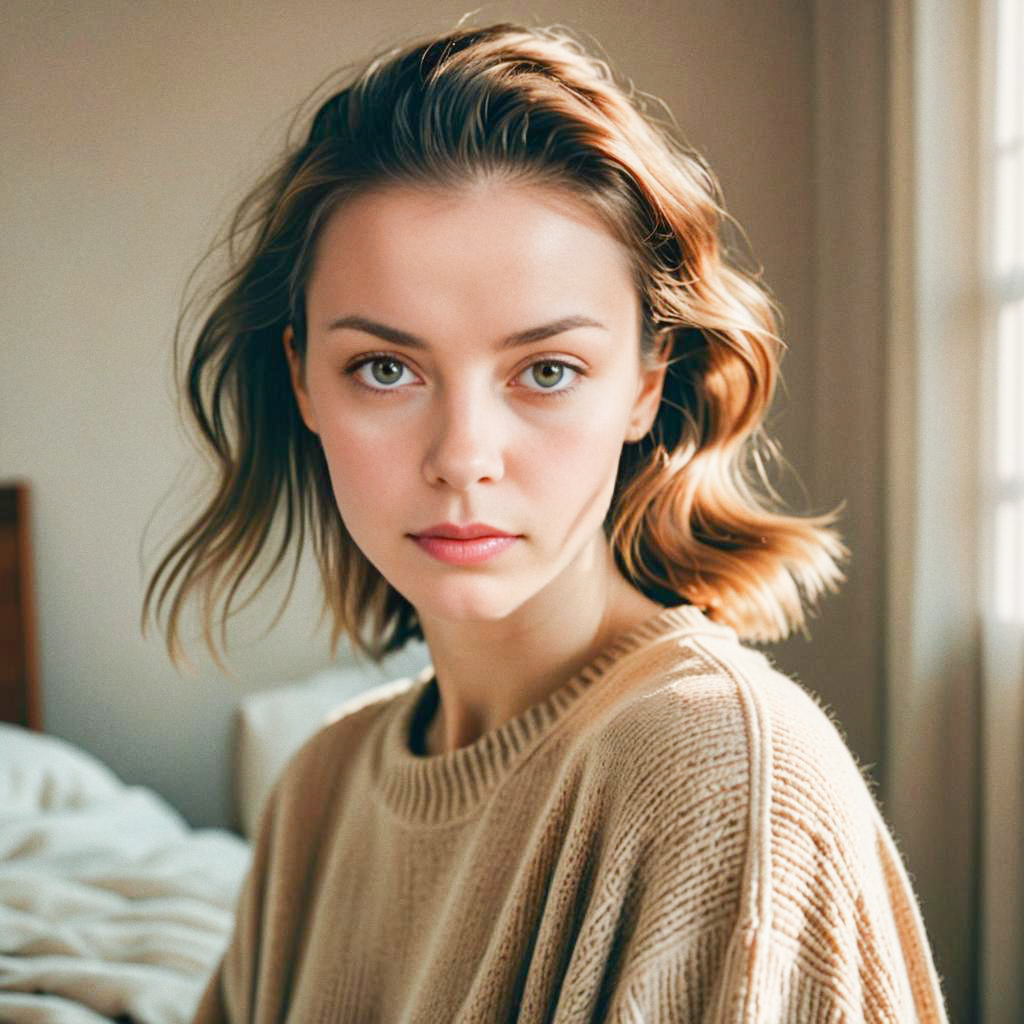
column 473, row 360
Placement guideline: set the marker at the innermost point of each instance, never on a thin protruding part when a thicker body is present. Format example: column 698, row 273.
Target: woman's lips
column 470, row 551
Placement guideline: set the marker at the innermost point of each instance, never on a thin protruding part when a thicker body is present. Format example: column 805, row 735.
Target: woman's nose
column 464, row 446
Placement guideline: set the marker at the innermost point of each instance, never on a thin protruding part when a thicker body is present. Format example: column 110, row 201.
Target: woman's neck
column 487, row 673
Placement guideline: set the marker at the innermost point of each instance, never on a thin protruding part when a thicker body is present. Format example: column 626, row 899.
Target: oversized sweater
column 678, row 833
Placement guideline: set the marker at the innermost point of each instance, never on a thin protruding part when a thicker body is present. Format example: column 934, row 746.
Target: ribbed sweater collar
column 443, row 788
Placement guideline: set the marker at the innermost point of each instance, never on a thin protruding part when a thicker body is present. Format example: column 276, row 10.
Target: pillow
column 272, row 725
column 44, row 773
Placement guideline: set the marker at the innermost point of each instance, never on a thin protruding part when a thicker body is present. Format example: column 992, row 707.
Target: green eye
column 386, row 371
column 552, row 377
column 548, row 375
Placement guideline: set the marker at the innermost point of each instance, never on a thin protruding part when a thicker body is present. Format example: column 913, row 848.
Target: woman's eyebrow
column 527, row 337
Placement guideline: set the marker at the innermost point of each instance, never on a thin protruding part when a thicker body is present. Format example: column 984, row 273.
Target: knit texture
column 677, row 833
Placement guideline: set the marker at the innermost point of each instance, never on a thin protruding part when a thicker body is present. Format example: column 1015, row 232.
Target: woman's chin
column 476, row 604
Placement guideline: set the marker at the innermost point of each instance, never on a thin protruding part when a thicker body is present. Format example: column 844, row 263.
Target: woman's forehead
column 534, row 249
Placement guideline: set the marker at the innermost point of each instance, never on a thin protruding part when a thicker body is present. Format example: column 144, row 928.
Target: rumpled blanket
column 113, row 910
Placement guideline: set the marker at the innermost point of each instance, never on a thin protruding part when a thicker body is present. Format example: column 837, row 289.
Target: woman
column 483, row 343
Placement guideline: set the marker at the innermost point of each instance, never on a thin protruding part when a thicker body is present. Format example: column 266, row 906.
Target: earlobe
column 296, row 371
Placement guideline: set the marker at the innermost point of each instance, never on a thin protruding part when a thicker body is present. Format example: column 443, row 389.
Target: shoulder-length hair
column 693, row 517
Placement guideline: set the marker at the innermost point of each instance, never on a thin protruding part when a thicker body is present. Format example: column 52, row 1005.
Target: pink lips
column 464, row 545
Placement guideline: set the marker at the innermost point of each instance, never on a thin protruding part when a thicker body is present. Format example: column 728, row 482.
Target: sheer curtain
column 955, row 475
column 1002, row 507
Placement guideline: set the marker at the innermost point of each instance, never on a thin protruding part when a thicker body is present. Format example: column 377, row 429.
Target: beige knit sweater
column 678, row 833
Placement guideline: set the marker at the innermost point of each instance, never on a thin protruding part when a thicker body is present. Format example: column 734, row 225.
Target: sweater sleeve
column 825, row 956
column 880, row 972
column 768, row 887
column 829, row 927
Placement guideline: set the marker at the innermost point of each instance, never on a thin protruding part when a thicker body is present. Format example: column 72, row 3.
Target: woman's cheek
column 364, row 463
column 586, row 440
column 570, row 465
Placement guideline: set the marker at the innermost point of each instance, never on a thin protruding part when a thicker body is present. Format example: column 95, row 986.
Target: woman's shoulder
column 729, row 773
column 732, row 791
column 708, row 715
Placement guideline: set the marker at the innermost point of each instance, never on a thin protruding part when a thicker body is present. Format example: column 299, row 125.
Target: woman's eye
column 550, row 375
column 388, row 373
column 380, row 372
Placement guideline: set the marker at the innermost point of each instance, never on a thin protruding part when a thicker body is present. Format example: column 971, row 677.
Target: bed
column 111, row 906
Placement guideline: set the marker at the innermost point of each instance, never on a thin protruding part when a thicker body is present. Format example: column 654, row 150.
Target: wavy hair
column 693, row 517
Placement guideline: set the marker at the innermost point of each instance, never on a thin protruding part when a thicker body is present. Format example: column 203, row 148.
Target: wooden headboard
column 19, row 666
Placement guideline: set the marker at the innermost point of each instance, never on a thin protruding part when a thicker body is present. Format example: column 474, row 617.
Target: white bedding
column 111, row 907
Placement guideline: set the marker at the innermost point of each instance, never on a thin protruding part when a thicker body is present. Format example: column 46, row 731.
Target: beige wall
column 128, row 129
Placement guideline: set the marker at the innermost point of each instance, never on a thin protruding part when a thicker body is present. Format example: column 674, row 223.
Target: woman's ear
column 297, row 371
column 648, row 398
